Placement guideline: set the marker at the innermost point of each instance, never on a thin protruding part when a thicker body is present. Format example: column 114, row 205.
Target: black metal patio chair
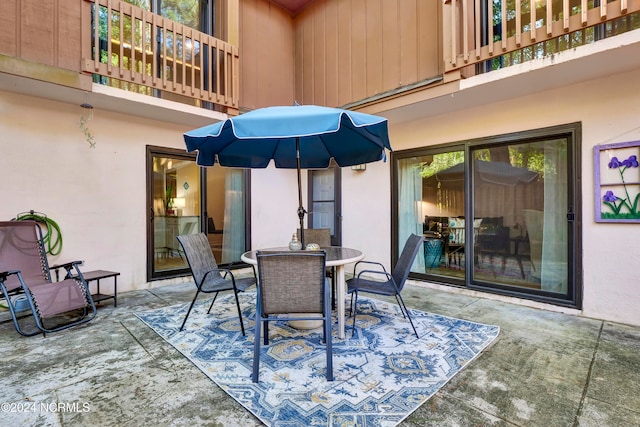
column 292, row 283
column 388, row 284
column 208, row 277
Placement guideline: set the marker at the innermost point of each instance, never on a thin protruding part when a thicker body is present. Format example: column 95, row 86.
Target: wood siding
column 350, row 50
column 41, row 31
column 266, row 55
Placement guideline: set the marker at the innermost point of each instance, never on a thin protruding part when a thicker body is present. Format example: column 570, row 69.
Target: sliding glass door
column 498, row 214
column 183, row 198
column 521, row 194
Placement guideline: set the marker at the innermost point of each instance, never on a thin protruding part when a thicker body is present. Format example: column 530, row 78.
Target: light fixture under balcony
column 360, row 168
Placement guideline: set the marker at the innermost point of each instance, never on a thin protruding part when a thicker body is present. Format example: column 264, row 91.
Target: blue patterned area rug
column 382, row 374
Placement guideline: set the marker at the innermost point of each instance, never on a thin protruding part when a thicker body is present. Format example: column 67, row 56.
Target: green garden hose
column 52, row 238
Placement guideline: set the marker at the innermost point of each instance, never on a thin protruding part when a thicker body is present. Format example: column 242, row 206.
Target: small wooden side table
column 97, row 275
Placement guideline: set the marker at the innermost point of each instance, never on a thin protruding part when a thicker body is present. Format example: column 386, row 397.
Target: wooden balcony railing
column 495, row 33
column 130, row 47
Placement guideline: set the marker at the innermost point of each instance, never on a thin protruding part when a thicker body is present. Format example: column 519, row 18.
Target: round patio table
column 338, row 257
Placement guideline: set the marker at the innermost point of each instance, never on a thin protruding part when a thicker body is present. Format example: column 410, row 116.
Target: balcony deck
column 129, row 47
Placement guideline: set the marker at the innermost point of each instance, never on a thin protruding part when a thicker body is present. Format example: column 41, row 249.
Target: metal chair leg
column 256, row 351
column 408, row 315
column 190, row 307
column 355, row 312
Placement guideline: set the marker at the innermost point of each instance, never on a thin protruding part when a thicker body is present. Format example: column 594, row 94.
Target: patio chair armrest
column 5, row 274
column 224, row 272
column 67, row 266
column 355, row 267
column 244, row 264
column 375, row 272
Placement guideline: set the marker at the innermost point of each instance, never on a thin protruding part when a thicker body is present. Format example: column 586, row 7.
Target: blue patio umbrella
column 294, row 137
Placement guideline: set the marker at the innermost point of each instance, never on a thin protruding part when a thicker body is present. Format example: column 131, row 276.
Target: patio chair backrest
column 321, row 236
column 21, row 248
column 199, row 256
column 291, row 281
column 406, row 259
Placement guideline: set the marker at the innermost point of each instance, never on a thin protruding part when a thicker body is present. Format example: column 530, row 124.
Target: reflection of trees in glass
column 441, row 162
column 527, row 156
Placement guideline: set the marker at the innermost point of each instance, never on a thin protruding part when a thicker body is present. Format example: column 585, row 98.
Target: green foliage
column 527, row 156
column 83, row 124
column 441, row 162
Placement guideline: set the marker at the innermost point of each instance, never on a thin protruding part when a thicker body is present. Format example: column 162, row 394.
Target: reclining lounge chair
column 25, row 274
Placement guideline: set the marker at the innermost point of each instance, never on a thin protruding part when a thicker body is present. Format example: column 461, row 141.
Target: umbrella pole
column 301, row 210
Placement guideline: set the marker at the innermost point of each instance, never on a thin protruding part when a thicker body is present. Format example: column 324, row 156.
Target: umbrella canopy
column 251, row 140
column 295, row 137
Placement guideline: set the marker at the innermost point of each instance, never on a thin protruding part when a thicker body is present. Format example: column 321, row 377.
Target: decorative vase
column 295, row 244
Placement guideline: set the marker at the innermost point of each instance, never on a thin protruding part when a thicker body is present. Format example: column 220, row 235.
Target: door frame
column 573, row 133
column 151, row 152
column 336, row 237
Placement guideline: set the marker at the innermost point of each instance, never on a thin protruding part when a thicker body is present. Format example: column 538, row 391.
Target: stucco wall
column 97, row 195
column 608, row 109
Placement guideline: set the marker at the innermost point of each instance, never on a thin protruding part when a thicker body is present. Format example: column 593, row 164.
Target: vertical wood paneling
column 266, row 55
column 69, row 39
column 345, row 94
column 390, row 31
column 429, row 39
column 374, row 47
column 298, row 63
column 308, row 58
column 319, row 55
column 8, row 27
column 36, row 29
column 408, row 42
column 264, row 43
column 283, row 92
column 331, row 58
column 248, row 56
column 361, row 48
column 358, row 49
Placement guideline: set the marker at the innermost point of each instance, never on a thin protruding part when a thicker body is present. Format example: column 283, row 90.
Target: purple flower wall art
column 617, row 182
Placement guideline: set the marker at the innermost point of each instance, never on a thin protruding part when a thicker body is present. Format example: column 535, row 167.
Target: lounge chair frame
column 24, row 270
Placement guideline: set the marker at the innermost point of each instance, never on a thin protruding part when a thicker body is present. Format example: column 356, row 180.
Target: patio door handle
column 570, row 215
column 153, row 215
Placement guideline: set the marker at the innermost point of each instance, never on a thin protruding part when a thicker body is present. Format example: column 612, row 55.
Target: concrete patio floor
column 545, row 369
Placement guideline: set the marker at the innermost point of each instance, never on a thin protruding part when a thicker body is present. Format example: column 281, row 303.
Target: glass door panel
column 431, row 202
column 324, row 201
column 499, row 213
column 520, row 196
column 226, row 213
column 184, row 198
column 176, row 195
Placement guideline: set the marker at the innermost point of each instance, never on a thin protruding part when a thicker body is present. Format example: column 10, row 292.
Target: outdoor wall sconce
column 360, row 168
